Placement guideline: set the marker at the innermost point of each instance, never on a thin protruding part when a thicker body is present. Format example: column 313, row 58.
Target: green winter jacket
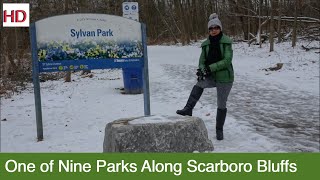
column 222, row 71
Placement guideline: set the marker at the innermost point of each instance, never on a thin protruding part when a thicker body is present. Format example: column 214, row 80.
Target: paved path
column 288, row 116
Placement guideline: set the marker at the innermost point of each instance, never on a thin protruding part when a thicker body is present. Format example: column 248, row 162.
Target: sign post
column 86, row 42
column 36, row 83
column 146, row 90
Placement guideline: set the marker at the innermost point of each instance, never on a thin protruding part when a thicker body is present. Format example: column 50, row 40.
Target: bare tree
column 294, row 34
column 271, row 40
column 173, row 21
column 279, row 20
column 260, row 25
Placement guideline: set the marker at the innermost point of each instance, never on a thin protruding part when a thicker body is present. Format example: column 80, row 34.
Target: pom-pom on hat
column 214, row 21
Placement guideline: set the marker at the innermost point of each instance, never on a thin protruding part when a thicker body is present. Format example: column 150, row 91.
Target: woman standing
column 215, row 70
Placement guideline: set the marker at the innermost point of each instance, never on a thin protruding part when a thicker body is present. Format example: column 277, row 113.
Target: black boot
column 192, row 101
column 220, row 119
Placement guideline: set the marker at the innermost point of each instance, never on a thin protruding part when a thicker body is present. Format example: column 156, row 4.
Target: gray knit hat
column 214, row 21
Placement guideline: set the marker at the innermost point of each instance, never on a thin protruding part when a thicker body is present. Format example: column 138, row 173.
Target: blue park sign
column 88, row 41
column 85, row 42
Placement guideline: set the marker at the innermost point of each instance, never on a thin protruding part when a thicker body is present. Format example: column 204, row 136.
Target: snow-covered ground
column 268, row 111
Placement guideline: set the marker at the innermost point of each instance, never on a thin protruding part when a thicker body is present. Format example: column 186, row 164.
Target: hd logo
column 15, row 14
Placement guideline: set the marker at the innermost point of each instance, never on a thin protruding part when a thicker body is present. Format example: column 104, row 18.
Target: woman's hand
column 207, row 71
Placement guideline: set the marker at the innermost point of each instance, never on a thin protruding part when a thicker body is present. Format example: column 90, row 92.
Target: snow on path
column 266, row 114
column 285, row 110
column 289, row 117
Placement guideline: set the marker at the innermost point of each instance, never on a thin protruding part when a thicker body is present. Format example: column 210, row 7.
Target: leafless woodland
column 170, row 21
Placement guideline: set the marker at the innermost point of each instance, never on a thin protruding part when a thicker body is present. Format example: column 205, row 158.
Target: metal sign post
column 146, row 90
column 36, row 82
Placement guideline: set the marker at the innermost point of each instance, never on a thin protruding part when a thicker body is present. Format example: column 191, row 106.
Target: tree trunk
column 279, row 21
column 11, row 49
column 271, row 26
column 294, row 33
column 6, row 58
column 259, row 30
column 5, row 55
